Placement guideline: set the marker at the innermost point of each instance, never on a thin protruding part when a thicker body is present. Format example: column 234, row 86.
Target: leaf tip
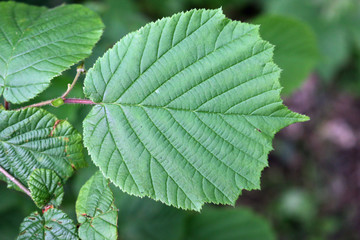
column 303, row 118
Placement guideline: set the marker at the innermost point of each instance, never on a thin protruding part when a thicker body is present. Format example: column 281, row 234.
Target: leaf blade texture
column 33, row 138
column 96, row 211
column 54, row 224
column 45, row 188
column 37, row 44
column 186, row 110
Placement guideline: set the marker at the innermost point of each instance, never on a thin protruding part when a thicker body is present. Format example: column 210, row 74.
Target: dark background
column 312, row 188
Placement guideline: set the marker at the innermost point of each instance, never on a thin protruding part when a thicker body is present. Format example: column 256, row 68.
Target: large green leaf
column 96, row 211
column 54, row 224
column 186, row 110
column 33, row 138
column 296, row 50
column 228, row 224
column 37, row 44
column 46, row 188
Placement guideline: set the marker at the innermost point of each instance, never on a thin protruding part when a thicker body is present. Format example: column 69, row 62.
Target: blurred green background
column 312, row 188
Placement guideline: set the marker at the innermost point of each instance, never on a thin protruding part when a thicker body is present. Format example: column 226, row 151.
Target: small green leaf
column 96, row 211
column 186, row 110
column 37, row 44
column 46, row 188
column 296, row 50
column 54, row 224
column 228, row 224
column 33, row 138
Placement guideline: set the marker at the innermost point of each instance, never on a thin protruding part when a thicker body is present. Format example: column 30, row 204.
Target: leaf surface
column 54, row 224
column 96, row 211
column 186, row 110
column 33, row 138
column 228, row 224
column 46, row 188
column 37, row 44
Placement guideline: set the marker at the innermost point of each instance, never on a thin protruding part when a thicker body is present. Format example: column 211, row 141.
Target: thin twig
column 40, row 104
column 79, row 70
column 15, row 181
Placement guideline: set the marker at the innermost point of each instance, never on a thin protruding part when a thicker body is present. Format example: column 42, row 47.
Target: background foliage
column 312, row 188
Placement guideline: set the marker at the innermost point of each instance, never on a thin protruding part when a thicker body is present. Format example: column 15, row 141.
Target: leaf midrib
column 194, row 111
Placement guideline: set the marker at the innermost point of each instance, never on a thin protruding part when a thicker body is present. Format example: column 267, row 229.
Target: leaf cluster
column 185, row 110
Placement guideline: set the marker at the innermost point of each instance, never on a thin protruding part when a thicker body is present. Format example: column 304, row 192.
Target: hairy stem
column 66, row 101
column 78, row 101
column 15, row 181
